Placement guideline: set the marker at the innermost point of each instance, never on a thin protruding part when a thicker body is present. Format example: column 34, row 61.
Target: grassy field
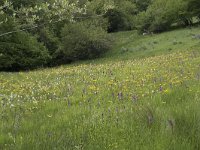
column 144, row 94
column 130, row 45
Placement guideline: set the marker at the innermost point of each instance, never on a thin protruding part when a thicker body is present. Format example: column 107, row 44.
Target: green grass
column 152, row 45
column 139, row 99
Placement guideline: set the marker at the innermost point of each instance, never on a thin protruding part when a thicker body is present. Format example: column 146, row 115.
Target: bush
column 20, row 51
column 194, row 7
column 117, row 20
column 160, row 15
column 82, row 41
column 20, row 3
column 50, row 40
column 121, row 18
column 142, row 5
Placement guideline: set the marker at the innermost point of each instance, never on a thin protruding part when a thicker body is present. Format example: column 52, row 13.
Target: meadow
column 144, row 94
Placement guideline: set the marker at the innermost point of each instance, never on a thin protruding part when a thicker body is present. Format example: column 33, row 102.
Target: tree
column 117, row 20
column 160, row 15
column 193, row 8
column 121, row 17
column 142, row 5
column 25, row 3
column 21, row 47
column 20, row 51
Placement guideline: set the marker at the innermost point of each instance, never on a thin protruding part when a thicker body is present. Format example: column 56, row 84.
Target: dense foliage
column 82, row 41
column 39, row 33
column 20, row 50
column 121, row 17
column 52, row 32
column 160, row 15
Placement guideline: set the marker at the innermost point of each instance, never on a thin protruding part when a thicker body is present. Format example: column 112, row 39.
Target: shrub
column 117, row 20
column 20, row 51
column 50, row 40
column 160, row 15
column 82, row 41
column 142, row 5
column 121, row 17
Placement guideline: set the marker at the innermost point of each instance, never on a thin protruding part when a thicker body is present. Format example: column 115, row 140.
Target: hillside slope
column 134, row 98
column 130, row 45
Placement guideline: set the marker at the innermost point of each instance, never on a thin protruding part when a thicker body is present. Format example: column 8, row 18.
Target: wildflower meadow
column 145, row 103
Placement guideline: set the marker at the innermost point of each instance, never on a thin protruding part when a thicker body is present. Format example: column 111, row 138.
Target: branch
column 7, row 4
column 37, row 26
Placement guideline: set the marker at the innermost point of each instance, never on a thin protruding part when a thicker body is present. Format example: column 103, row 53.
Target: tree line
column 39, row 33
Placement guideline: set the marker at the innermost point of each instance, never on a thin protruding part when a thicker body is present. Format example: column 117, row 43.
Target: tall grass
column 149, row 103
